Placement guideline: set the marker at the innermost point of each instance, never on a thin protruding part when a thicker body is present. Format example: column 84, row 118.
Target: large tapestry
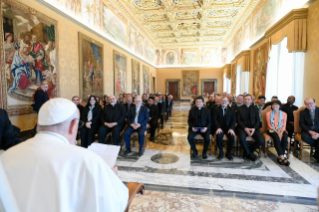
column 233, row 78
column 91, row 67
column 146, row 80
column 30, row 56
column 120, row 73
column 135, row 77
column 190, row 83
column 260, row 71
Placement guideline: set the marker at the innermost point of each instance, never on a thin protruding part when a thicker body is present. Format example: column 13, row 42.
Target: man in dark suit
column 199, row 122
column 224, row 123
column 248, row 125
column 76, row 101
column 8, row 135
column 289, row 109
column 128, row 104
column 40, row 97
column 260, row 106
column 153, row 116
column 211, row 101
column 309, row 124
column 112, row 119
column 239, row 102
column 169, row 106
column 273, row 98
column 137, row 122
column 162, row 109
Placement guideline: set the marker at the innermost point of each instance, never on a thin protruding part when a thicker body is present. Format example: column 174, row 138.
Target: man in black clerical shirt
column 211, row 101
column 289, row 109
column 40, row 97
column 161, row 105
column 199, row 122
column 153, row 116
column 112, row 119
column 224, row 122
column 239, row 102
column 260, row 106
column 248, row 125
column 8, row 135
column 309, row 124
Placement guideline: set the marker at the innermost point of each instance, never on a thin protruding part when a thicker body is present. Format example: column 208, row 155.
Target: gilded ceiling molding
column 294, row 27
column 226, row 69
column 243, row 58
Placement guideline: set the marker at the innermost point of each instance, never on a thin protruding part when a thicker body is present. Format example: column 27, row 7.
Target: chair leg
column 301, row 148
column 265, row 149
column 295, row 147
column 288, row 151
column 259, row 153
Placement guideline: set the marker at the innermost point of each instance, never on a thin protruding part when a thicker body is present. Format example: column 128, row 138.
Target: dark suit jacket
column 305, row 121
column 229, row 119
column 169, row 104
column 210, row 104
column 127, row 109
column 40, row 97
column 97, row 110
column 161, row 108
column 244, row 120
column 152, row 111
column 289, row 111
column 143, row 117
column 113, row 114
column 81, row 109
column 8, row 135
column 205, row 118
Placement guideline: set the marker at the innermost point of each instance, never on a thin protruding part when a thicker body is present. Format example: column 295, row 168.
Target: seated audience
column 153, row 116
column 144, row 99
column 161, row 108
column 199, row 122
column 123, row 100
column 273, row 98
column 289, row 109
column 276, row 128
column 211, row 101
column 309, row 123
column 128, row 105
column 224, row 121
column 106, row 100
column 76, row 100
column 231, row 100
column 260, row 106
column 49, row 173
column 253, row 99
column 169, row 106
column 137, row 122
column 91, row 116
column 9, row 136
column 120, row 99
column 112, row 120
column 240, row 102
column 248, row 125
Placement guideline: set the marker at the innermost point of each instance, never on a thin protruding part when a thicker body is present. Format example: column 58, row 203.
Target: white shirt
column 46, row 173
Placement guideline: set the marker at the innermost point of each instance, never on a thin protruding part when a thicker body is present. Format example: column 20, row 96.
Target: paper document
column 107, row 152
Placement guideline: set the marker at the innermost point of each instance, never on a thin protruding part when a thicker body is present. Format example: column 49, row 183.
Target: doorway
column 209, row 86
column 173, row 87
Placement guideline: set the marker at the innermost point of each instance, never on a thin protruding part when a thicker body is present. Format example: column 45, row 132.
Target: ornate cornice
column 301, row 13
column 242, row 54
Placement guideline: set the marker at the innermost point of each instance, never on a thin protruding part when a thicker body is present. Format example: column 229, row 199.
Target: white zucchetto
column 56, row 111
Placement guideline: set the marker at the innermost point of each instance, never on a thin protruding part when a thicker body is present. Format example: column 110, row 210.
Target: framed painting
column 190, row 83
column 146, row 80
column 91, row 67
column 260, row 71
column 29, row 56
column 120, row 73
column 136, row 77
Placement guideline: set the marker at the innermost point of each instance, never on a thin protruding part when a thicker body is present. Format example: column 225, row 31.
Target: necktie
column 223, row 111
column 136, row 116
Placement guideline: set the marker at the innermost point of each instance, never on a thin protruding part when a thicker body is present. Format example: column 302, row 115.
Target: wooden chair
column 200, row 140
column 134, row 138
column 267, row 137
column 225, row 139
column 248, row 139
column 134, row 188
column 298, row 133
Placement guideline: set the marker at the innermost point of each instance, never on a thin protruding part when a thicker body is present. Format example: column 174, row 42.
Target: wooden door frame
column 208, row 80
column 179, row 86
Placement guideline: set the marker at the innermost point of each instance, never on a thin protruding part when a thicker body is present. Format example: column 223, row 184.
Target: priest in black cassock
column 224, row 122
column 112, row 120
column 153, row 116
column 199, row 122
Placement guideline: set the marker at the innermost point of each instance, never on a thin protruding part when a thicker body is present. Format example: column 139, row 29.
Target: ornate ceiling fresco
column 188, row 23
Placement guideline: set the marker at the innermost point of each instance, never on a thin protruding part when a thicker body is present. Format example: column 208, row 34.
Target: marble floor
column 174, row 182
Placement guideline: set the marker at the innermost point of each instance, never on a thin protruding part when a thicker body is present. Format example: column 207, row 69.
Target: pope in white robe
column 49, row 173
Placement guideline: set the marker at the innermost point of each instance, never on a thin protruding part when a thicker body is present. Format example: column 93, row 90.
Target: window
column 242, row 81
column 226, row 84
column 285, row 74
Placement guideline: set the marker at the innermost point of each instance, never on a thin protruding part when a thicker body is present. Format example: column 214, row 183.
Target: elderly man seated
column 49, row 173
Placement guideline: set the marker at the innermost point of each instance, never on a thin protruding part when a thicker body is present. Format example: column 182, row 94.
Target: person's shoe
column 127, row 151
column 140, row 152
column 252, row 156
column 220, row 156
column 194, row 154
column 286, row 162
column 229, row 157
column 204, row 155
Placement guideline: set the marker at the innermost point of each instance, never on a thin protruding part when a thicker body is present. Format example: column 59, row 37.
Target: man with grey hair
column 49, row 173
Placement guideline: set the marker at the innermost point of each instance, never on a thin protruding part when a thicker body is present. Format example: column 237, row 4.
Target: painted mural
column 146, row 80
column 233, row 78
column 140, row 45
column 136, row 77
column 190, row 57
column 190, row 83
column 170, row 58
column 30, row 58
column 260, row 71
column 120, row 73
column 149, row 54
column 132, row 44
column 91, row 67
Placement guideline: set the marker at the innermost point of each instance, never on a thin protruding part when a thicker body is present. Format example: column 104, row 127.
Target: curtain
column 238, row 80
column 226, row 84
column 51, row 33
column 285, row 74
column 244, row 82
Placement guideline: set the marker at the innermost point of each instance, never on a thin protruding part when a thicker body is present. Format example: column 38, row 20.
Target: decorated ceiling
column 186, row 23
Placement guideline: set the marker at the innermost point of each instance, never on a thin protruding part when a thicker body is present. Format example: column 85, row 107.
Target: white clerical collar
column 113, row 105
column 61, row 137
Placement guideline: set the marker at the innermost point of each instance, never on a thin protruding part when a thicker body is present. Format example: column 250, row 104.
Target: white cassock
column 46, row 173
